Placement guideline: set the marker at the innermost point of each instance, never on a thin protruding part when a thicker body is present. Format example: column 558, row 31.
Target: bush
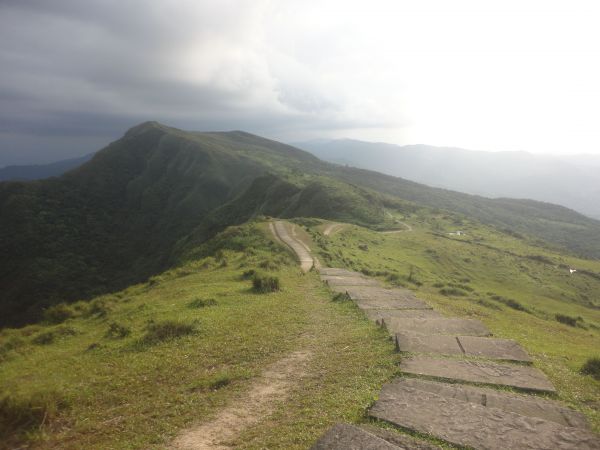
column 248, row 274
column 164, row 331
column 267, row 264
column 97, row 308
column 592, row 367
column 48, row 337
column 202, row 303
column 453, row 292
column 510, row 303
column 58, row 313
column 24, row 414
column 341, row 297
column 265, row 283
column 117, row 331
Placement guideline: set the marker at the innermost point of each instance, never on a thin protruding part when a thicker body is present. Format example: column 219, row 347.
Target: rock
column 523, row 377
column 474, row 425
column 349, row 437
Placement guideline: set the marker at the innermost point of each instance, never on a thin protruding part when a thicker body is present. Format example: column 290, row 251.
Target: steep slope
column 568, row 181
column 41, row 171
column 116, row 219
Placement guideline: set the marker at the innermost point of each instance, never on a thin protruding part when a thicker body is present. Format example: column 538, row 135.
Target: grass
column 516, row 295
column 592, row 367
column 110, row 393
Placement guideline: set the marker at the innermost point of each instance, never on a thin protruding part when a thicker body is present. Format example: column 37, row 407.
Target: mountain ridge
column 568, row 181
column 142, row 203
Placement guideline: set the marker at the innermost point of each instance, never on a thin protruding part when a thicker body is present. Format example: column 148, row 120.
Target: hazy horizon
column 493, row 76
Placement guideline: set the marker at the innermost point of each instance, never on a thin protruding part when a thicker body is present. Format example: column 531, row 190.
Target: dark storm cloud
column 94, row 68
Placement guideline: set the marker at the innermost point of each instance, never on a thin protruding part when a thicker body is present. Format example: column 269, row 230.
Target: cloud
column 385, row 70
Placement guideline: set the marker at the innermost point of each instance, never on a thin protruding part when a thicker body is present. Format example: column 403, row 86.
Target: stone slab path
column 379, row 315
column 522, row 377
column 458, row 413
column 503, row 349
column 453, row 325
column 348, row 437
column 475, row 425
column 528, row 405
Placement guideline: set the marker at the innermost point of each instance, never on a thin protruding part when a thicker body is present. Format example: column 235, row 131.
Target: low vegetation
column 592, row 367
column 106, row 390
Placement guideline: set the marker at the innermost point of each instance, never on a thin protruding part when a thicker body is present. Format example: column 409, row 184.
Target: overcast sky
column 485, row 75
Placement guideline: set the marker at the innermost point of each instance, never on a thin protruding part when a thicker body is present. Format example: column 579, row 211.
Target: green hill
column 138, row 206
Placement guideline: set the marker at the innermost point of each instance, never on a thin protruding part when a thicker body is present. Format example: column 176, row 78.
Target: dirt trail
column 408, row 228
column 302, row 250
column 272, row 387
column 332, row 228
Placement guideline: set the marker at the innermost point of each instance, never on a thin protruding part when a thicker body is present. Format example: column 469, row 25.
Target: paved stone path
column 503, row 349
column 453, row 411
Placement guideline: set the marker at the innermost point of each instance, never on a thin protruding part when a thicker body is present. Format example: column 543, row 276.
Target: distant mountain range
column 573, row 182
column 40, row 171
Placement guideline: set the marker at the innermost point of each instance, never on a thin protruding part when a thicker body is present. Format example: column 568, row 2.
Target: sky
column 484, row 75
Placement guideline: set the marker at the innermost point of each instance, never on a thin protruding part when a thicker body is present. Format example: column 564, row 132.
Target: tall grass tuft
column 167, row 330
column 265, row 283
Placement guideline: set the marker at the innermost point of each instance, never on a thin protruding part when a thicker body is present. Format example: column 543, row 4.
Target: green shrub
column 48, row 337
column 164, row 331
column 23, row 414
column 202, row 303
column 592, row 367
column 248, row 274
column 267, row 264
column 510, row 303
column 58, row 313
column 97, row 308
column 117, row 331
column 453, row 292
column 265, row 283
column 341, row 297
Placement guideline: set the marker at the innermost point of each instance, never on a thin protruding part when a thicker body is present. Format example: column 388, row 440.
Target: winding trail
column 301, row 250
column 332, row 228
column 271, row 388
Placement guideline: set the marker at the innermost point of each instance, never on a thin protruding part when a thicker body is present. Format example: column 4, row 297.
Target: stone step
column 445, row 325
column 401, row 440
column 526, row 405
column 373, row 297
column 474, row 425
column 349, row 437
column 484, row 347
column 377, row 315
column 334, row 280
column 493, row 348
column 332, row 271
column 522, row 377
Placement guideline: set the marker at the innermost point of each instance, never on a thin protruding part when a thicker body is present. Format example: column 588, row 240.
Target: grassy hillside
column 139, row 204
column 113, row 374
column 570, row 181
column 117, row 219
column 519, row 290
column 105, row 374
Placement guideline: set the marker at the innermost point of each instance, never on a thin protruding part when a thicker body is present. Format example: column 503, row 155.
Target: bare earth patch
column 270, row 388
